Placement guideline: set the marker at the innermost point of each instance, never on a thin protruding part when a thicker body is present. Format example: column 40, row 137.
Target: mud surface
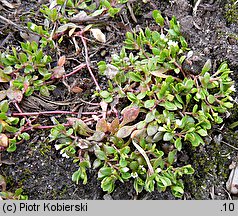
column 41, row 171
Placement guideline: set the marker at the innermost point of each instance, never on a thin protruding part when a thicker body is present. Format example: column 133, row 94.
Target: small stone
column 107, row 197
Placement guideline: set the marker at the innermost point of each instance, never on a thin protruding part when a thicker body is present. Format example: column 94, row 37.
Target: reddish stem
column 20, row 111
column 51, row 113
column 75, row 71
column 43, row 113
column 179, row 67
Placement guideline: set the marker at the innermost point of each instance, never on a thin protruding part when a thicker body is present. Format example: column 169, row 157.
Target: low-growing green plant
column 78, row 8
column 154, row 103
column 26, row 71
column 150, row 110
column 17, row 195
column 7, row 195
column 9, row 128
column 57, row 25
column 23, row 73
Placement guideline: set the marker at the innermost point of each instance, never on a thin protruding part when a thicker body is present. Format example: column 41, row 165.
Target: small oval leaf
column 125, row 131
column 98, row 35
column 129, row 114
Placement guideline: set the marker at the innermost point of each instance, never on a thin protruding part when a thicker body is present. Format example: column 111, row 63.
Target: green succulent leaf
column 152, row 128
column 177, row 191
column 158, row 17
column 104, row 171
column 168, row 136
column 108, row 184
column 178, row 144
column 207, row 66
column 169, row 106
column 202, row 132
column 171, row 156
column 100, row 155
column 149, row 104
column 211, row 99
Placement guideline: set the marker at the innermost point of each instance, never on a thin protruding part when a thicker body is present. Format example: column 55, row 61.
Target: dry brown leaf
column 14, row 94
column 3, row 140
column 30, row 37
column 111, row 71
column 71, row 31
column 160, row 73
column 102, row 125
column 3, row 183
column 79, row 17
column 98, row 35
column 61, row 60
column 76, row 89
column 232, row 183
column 3, row 94
column 129, row 114
column 114, row 126
column 4, row 77
column 58, row 72
column 138, row 134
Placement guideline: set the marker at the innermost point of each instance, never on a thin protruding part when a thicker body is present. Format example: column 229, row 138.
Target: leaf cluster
column 9, row 128
column 165, row 107
column 7, row 195
column 25, row 71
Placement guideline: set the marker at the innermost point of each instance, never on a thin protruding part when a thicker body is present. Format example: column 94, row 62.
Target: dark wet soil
column 41, row 171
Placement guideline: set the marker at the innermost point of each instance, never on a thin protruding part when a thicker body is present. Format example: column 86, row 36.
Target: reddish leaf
column 61, row 61
column 14, row 94
column 26, row 85
column 76, row 89
column 114, row 126
column 104, row 106
column 129, row 114
column 102, row 125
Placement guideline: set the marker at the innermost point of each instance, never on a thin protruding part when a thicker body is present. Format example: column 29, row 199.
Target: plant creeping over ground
column 151, row 110
column 164, row 106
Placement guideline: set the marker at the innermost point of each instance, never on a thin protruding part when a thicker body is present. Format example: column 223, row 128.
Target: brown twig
column 88, row 60
column 179, row 67
column 43, row 127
